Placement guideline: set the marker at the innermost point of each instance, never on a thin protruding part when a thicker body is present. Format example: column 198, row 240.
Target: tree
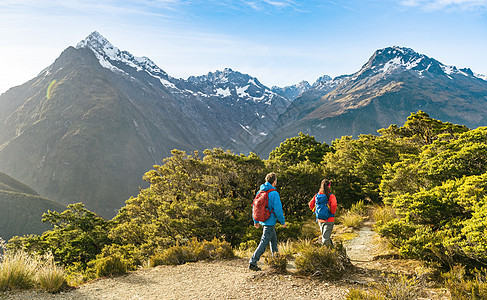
column 422, row 130
column 78, row 236
column 190, row 196
column 355, row 167
column 299, row 149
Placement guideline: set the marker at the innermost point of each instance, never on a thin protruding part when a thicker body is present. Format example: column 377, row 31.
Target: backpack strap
column 268, row 191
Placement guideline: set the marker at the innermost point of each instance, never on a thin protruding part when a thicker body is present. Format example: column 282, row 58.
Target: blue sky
column 281, row 42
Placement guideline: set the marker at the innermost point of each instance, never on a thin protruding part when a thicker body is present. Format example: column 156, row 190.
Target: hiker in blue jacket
column 269, row 232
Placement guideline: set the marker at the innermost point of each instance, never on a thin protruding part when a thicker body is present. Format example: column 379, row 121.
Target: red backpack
column 260, row 206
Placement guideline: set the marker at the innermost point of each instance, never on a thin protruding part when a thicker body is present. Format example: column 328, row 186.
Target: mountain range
column 89, row 125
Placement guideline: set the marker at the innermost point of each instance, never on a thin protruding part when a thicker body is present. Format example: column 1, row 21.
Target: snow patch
column 480, row 76
column 448, row 69
column 396, row 61
column 223, row 92
column 241, row 91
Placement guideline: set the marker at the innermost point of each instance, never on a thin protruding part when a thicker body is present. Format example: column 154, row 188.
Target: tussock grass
column 19, row 270
column 351, row 220
column 323, row 261
column 286, row 248
column 464, row 287
column 51, row 277
column 383, row 214
column 193, row 251
column 395, row 287
column 359, row 208
column 356, row 294
column 276, row 262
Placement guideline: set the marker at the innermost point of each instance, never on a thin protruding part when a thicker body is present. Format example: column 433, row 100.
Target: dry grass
column 17, row 271
column 20, row 270
column 383, row 214
column 50, row 276
column 351, row 220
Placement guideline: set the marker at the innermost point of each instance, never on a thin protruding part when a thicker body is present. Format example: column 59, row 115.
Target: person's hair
column 271, row 177
column 325, row 187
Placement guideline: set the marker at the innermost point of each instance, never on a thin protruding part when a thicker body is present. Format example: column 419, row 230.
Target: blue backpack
column 322, row 211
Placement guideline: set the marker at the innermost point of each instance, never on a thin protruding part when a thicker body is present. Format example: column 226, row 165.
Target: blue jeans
column 268, row 236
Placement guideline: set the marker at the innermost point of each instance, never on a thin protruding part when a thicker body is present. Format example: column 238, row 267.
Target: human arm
column 312, row 204
column 332, row 204
column 277, row 207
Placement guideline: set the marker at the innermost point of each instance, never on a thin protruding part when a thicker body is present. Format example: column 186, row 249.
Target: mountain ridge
column 88, row 127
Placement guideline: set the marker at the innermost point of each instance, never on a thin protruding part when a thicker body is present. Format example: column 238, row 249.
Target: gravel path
column 200, row 280
column 361, row 249
column 232, row 280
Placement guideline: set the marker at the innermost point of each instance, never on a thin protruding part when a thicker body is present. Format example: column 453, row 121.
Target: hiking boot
column 254, row 267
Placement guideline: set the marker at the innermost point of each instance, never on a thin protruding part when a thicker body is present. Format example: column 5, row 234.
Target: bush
column 17, row 271
column 276, row 262
column 132, row 255
column 323, row 261
column 110, row 266
column 51, row 276
column 463, row 288
column 216, row 249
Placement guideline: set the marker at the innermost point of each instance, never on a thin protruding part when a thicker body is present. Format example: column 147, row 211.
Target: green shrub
column 132, row 255
column 276, row 262
column 17, row 271
column 51, row 276
column 247, row 245
column 218, row 249
column 463, row 288
column 323, row 261
column 292, row 231
column 176, row 255
column 110, row 266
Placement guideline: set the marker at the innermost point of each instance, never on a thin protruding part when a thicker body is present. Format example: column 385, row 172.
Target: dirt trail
column 361, row 249
column 232, row 280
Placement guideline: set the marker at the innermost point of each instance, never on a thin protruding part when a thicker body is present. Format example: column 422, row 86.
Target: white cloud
column 433, row 5
column 261, row 5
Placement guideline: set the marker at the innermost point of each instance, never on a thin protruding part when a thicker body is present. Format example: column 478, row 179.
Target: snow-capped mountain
column 90, row 125
column 293, row 91
column 112, row 58
column 397, row 59
column 110, row 116
column 393, row 83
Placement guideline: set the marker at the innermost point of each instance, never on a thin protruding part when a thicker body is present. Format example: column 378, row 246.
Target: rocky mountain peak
column 398, row 59
column 112, row 58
